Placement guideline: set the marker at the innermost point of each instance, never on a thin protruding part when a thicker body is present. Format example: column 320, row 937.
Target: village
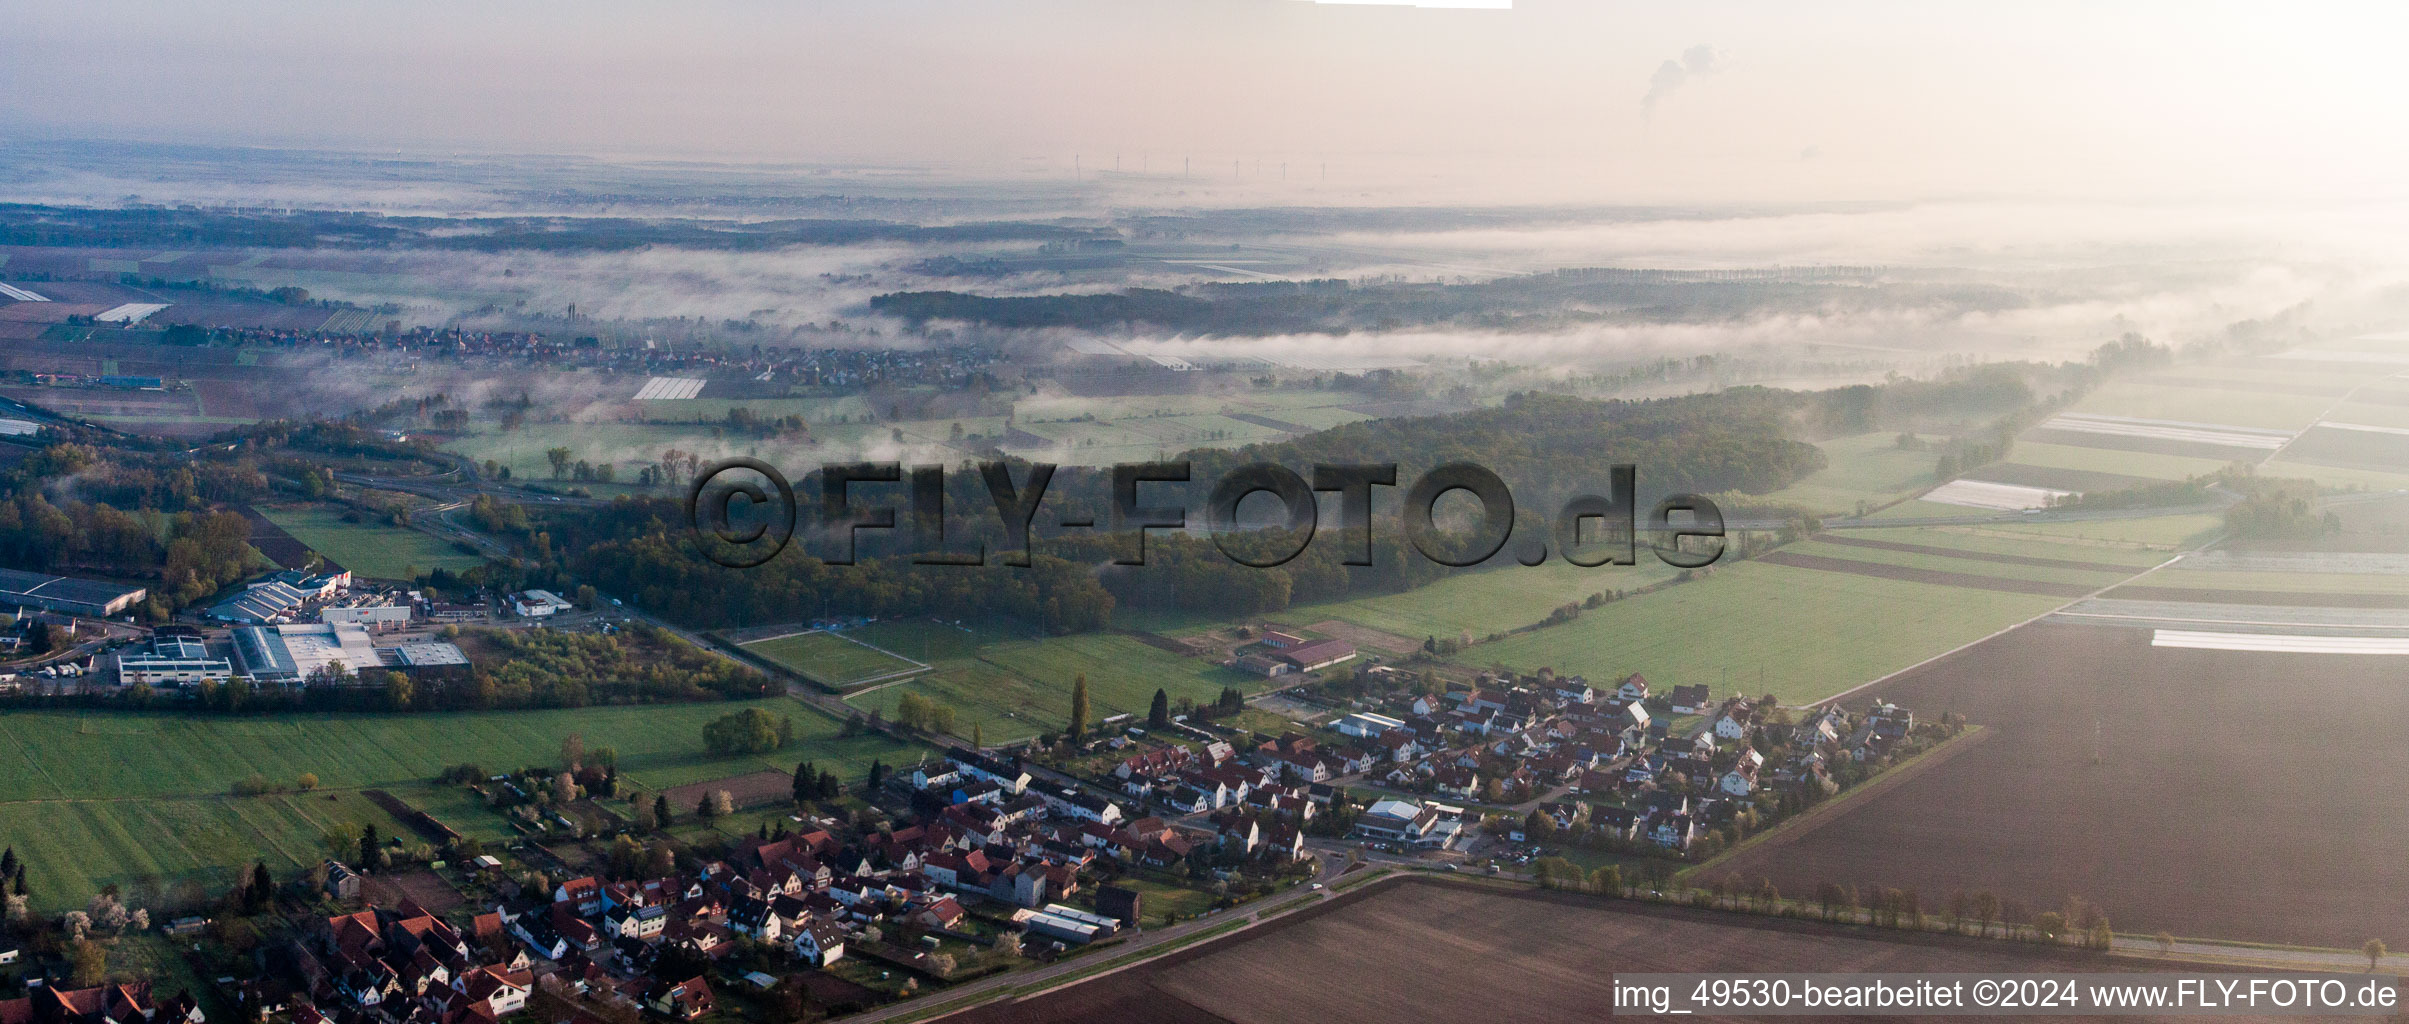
column 974, row 863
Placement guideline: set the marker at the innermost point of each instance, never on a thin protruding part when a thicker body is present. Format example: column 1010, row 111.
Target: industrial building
column 261, row 604
column 293, row 654
column 537, row 604
column 1366, row 725
column 173, row 661
column 67, row 595
column 373, row 616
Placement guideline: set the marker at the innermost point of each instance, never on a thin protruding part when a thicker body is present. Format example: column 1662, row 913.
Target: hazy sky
column 1611, row 101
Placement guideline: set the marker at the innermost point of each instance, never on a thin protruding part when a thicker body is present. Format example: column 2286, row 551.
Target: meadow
column 53, row 755
column 72, row 848
column 2235, row 408
column 94, row 798
column 380, row 550
column 1752, row 627
column 1871, row 468
column 1013, row 689
column 2111, row 460
column 1973, row 566
column 1484, row 601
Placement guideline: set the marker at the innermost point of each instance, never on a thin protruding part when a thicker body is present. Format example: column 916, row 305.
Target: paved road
column 1144, row 939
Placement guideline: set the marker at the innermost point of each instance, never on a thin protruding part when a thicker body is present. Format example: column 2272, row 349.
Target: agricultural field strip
column 2323, row 562
column 1936, row 577
column 183, row 756
column 2316, row 583
column 2246, row 618
column 2283, row 643
column 2113, row 460
column 2331, row 355
column 669, row 389
column 1977, row 570
column 1972, row 493
column 2362, row 427
column 1986, row 553
column 2169, row 430
column 1828, row 632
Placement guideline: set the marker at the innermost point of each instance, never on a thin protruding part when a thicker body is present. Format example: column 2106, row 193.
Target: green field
column 2335, row 477
column 2162, row 532
column 96, row 798
column 2110, row 460
column 2205, row 405
column 1969, row 566
column 1013, row 689
column 1754, row 627
column 1987, row 540
column 2296, row 582
column 2372, row 414
column 74, row 847
column 1483, row 602
column 1866, row 467
column 376, row 549
column 71, row 755
column 830, row 659
column 1918, row 508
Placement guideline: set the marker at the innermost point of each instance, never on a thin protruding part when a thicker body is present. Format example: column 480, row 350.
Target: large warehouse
column 66, row 595
column 293, row 654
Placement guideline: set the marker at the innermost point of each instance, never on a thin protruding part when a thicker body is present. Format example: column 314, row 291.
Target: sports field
column 376, row 549
column 831, row 659
column 1802, row 634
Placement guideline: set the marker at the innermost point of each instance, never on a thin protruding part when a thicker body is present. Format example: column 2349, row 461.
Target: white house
column 820, row 943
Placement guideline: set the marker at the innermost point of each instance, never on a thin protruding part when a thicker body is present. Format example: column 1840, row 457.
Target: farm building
column 1120, row 904
column 67, row 595
column 1069, row 930
column 1318, row 655
column 1262, row 666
